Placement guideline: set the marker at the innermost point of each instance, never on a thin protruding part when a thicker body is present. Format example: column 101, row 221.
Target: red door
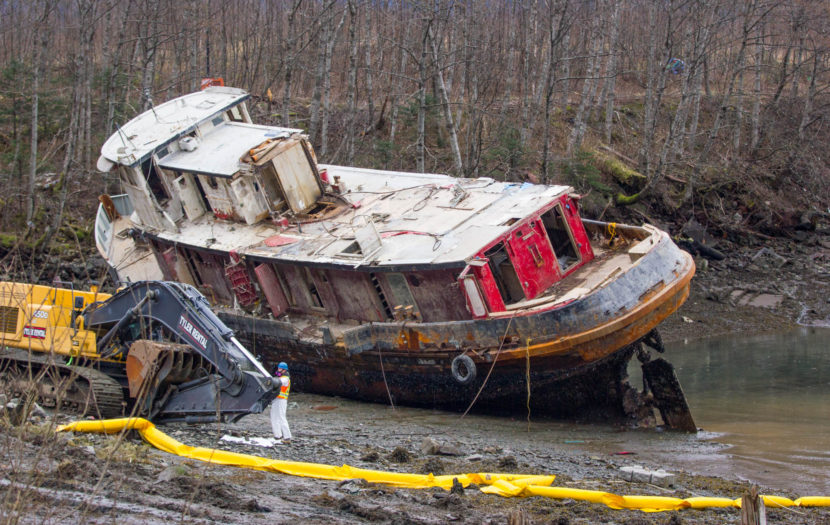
column 532, row 258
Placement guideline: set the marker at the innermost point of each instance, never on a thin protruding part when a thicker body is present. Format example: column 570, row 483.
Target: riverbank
column 764, row 285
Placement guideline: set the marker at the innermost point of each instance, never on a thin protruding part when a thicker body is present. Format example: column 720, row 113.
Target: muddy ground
column 49, row 478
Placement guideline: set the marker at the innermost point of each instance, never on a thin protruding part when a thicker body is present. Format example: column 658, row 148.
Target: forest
column 710, row 111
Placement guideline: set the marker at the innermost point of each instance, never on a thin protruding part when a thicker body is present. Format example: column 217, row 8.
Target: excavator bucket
column 152, row 366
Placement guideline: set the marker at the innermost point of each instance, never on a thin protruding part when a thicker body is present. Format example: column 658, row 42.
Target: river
column 766, row 398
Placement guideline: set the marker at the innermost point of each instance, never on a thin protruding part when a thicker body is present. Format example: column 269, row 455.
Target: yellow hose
column 507, row 485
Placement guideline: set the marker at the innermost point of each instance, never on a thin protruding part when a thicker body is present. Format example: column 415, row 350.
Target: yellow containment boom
column 507, row 485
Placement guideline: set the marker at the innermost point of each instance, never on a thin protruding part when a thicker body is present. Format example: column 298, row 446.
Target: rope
column 612, row 230
column 501, row 344
column 527, row 379
column 383, row 372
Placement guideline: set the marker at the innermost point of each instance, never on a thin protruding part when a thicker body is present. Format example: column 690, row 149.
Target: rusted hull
column 579, row 371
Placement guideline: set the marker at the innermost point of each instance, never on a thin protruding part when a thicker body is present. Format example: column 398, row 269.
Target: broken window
column 286, row 290
column 561, row 238
column 154, row 182
column 405, row 306
column 504, row 274
column 234, row 115
column 189, row 257
column 314, row 295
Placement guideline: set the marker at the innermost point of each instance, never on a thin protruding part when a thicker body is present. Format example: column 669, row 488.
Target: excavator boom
column 160, row 340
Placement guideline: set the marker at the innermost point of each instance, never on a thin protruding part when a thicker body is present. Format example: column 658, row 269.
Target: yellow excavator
column 154, row 349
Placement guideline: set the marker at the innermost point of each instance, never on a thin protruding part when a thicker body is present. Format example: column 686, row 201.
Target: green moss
column 581, row 172
column 619, row 171
column 7, row 240
column 626, row 200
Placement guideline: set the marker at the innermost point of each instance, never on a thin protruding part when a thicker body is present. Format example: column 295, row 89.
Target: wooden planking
column 356, row 296
column 438, row 295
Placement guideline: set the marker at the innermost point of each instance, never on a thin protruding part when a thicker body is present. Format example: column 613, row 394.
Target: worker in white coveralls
column 279, row 424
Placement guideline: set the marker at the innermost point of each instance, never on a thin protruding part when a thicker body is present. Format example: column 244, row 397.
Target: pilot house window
column 504, row 274
column 561, row 239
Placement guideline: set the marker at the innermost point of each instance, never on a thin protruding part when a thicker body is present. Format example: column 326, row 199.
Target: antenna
column 148, row 101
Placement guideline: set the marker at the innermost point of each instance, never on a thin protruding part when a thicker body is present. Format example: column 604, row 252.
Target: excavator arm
column 182, row 361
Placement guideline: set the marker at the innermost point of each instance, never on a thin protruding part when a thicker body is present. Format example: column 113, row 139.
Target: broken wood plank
column 753, row 511
column 668, row 396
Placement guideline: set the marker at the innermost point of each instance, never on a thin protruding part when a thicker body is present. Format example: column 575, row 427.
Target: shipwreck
column 387, row 286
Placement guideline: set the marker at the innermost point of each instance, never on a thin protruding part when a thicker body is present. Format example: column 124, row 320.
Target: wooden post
column 753, row 511
column 668, row 396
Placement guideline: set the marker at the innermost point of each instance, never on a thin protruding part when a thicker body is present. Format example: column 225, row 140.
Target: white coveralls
column 279, row 424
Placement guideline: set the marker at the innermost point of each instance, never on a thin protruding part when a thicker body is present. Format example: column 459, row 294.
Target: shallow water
column 768, row 398
column 763, row 404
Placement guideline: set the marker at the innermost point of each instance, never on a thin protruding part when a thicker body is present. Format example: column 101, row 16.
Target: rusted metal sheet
column 169, row 257
column 272, row 289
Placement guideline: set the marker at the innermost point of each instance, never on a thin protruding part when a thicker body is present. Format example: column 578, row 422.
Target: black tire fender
column 463, row 369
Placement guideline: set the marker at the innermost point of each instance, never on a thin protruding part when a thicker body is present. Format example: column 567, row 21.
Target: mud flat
column 99, row 479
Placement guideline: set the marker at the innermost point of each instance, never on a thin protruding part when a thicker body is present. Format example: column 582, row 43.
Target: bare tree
column 589, row 86
column 322, row 81
column 445, row 105
column 39, row 50
column 559, row 23
column 351, row 95
column 611, row 69
column 82, row 61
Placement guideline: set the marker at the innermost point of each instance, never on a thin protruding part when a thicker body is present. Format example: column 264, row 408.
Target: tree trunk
column 420, row 146
column 113, row 63
column 82, row 61
column 611, row 71
column 755, row 121
column 351, row 90
column 649, row 104
column 810, row 97
column 149, row 39
column 529, row 19
column 289, row 57
column 445, row 107
column 589, row 87
column 564, row 97
column 324, row 126
column 367, row 57
column 393, row 118
column 40, row 49
column 558, row 36
column 739, row 110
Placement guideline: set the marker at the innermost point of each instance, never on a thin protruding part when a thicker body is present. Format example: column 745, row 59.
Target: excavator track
column 77, row 389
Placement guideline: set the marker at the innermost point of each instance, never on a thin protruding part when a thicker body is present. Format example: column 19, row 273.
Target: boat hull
column 564, row 362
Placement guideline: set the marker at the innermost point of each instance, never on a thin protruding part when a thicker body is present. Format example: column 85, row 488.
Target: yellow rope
column 527, row 379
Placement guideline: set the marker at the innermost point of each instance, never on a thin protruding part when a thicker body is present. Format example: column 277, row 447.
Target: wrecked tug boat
column 410, row 288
